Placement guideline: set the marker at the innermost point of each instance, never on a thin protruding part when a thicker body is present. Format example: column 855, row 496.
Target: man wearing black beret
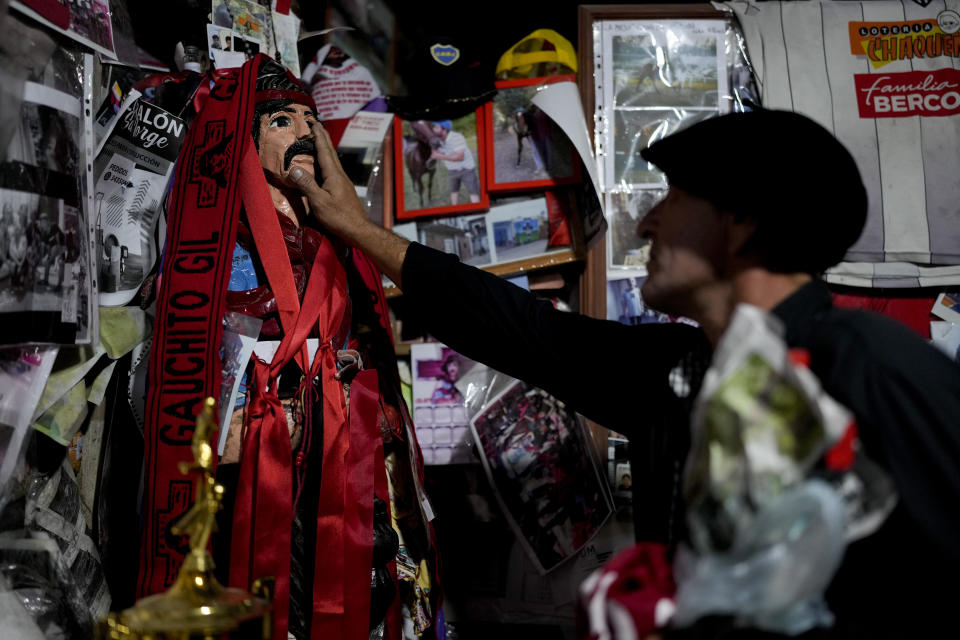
column 783, row 203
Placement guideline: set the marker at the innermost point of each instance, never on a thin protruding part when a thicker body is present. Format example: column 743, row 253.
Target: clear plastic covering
column 654, row 78
column 48, row 297
column 535, row 451
column 48, row 562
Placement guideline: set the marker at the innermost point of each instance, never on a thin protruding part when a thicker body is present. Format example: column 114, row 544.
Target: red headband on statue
column 281, row 94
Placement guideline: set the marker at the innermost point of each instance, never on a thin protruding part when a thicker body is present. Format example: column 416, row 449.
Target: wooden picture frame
column 526, row 150
column 423, row 183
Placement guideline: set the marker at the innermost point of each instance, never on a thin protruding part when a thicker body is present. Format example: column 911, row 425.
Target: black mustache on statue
column 299, row 148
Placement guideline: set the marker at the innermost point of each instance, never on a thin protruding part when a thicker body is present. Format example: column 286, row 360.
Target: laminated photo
column 520, row 230
column 46, row 285
column 625, row 303
column 625, row 249
column 538, row 459
column 510, row 232
column 23, row 374
column 947, row 307
column 464, row 236
column 246, row 19
column 667, row 64
column 636, row 130
column 656, row 77
column 442, row 380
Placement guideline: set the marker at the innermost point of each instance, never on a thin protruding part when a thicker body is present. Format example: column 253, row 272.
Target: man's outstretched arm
column 336, row 206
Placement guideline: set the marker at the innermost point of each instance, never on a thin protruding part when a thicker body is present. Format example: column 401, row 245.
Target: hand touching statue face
column 286, row 140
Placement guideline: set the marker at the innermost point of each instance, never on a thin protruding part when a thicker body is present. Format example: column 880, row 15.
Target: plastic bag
column 767, row 535
column 775, row 576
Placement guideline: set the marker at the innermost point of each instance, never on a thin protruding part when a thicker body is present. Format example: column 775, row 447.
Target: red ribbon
column 260, row 541
column 358, row 539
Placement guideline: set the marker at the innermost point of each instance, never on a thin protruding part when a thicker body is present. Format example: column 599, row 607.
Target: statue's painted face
column 286, row 140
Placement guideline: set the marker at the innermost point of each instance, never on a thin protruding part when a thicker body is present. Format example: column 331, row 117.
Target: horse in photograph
column 416, row 157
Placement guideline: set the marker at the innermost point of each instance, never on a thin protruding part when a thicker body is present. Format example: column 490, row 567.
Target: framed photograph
column 441, row 166
column 525, row 147
column 511, row 238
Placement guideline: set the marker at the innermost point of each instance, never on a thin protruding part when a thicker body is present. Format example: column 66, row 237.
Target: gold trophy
column 196, row 606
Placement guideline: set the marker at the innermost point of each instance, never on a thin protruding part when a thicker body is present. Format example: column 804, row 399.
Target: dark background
column 483, row 30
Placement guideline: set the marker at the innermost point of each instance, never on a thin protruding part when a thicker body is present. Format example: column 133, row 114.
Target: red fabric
column 335, row 129
column 283, row 6
column 185, row 362
column 302, row 244
column 557, row 209
column 293, row 96
column 260, row 540
column 330, row 571
column 58, row 14
column 913, row 311
column 366, row 450
column 634, row 580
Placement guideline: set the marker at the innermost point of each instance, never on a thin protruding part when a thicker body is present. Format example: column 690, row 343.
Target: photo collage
column 660, row 76
column 507, row 168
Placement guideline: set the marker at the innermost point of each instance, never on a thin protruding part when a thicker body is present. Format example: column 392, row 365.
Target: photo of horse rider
column 526, row 148
column 441, row 164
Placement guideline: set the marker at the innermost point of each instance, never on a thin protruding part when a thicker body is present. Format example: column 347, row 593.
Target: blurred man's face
column 687, row 250
column 286, row 140
column 438, row 130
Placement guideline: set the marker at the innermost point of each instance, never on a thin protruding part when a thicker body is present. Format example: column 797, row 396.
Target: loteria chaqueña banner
column 927, row 92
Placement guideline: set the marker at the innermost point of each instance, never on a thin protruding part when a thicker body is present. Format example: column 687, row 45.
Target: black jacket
column 641, row 381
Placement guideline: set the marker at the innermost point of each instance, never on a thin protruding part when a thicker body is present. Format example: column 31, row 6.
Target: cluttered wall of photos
column 526, row 149
column 439, row 166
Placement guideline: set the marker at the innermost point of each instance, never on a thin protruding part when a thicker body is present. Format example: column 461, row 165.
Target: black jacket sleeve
column 609, row 372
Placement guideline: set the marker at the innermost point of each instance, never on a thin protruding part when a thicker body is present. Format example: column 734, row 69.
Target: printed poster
column 133, row 169
column 537, row 457
column 442, row 381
